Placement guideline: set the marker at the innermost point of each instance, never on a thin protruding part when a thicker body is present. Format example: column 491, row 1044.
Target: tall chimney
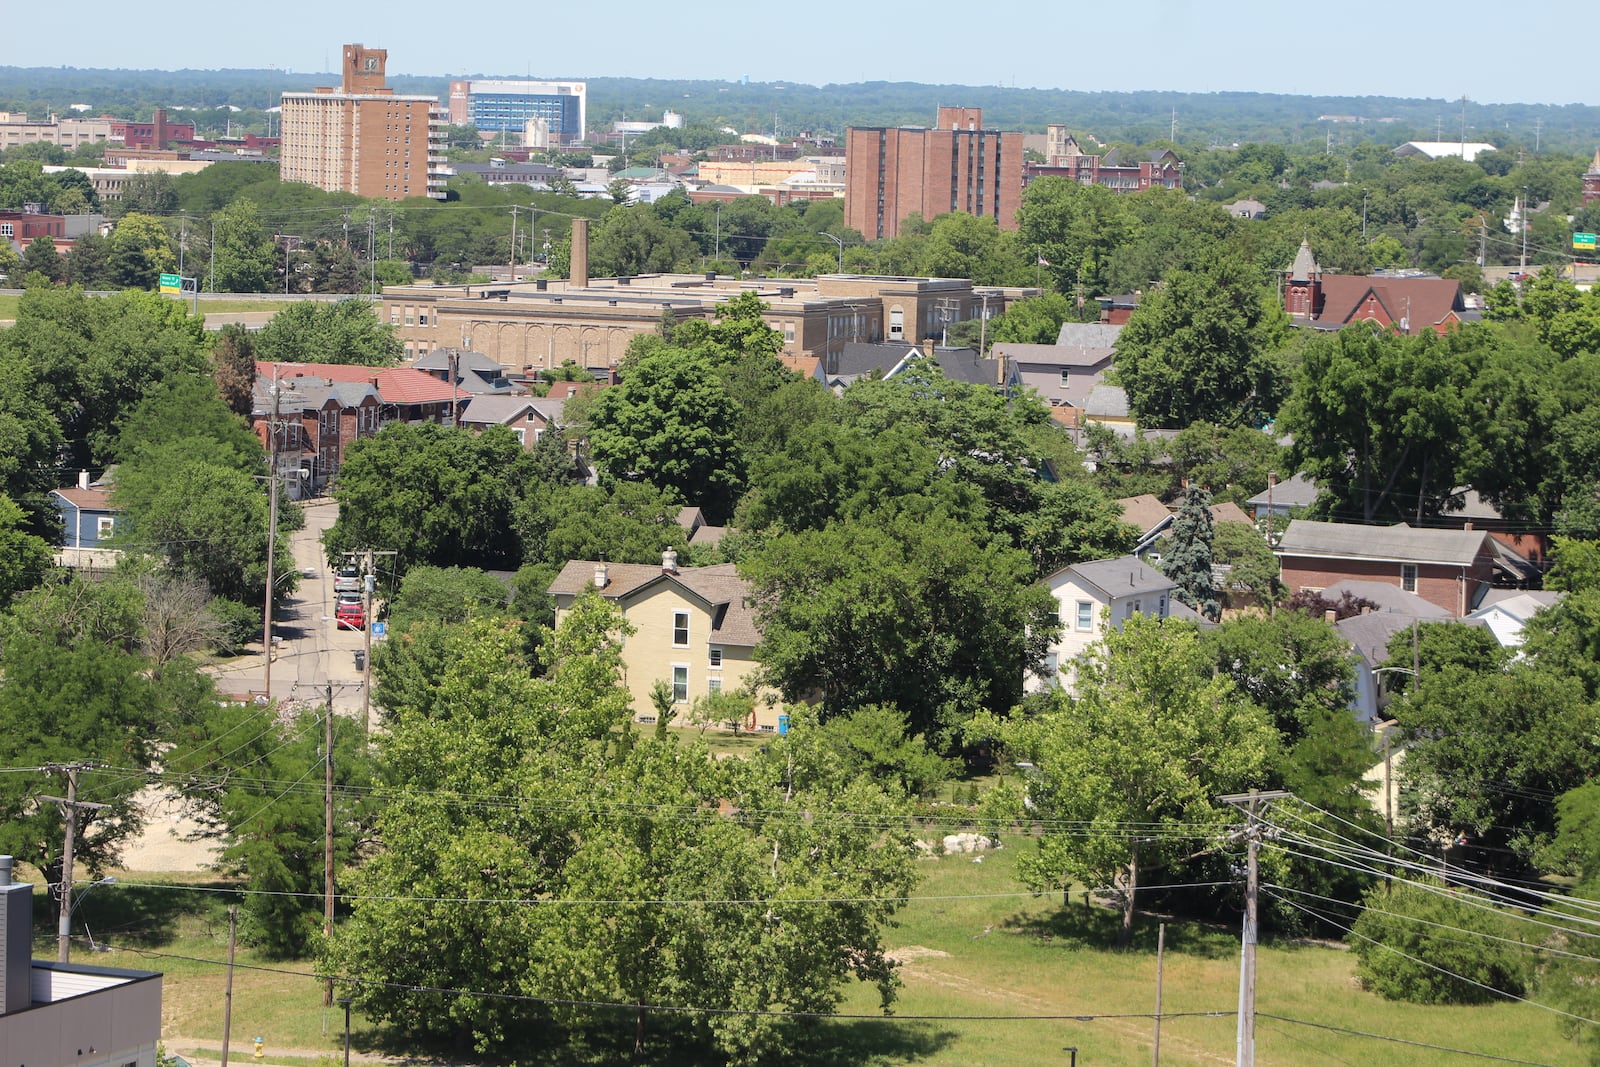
column 83, row 479
column 600, row 575
column 669, row 561
column 578, row 275
column 16, row 942
column 927, row 347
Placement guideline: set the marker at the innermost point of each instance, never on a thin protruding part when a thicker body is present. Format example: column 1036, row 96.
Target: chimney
column 1330, row 616
column 16, row 942
column 578, row 275
column 600, row 575
column 927, row 347
column 669, row 561
column 1467, row 526
column 83, row 479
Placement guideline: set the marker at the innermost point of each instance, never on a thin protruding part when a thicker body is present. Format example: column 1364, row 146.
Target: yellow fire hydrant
column 260, row 1044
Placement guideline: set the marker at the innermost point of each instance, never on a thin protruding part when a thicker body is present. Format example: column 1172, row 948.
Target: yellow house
column 694, row 629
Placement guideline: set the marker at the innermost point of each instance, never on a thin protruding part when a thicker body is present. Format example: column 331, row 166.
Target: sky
column 1401, row 48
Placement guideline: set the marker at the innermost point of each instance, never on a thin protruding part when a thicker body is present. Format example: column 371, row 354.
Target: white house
column 1092, row 596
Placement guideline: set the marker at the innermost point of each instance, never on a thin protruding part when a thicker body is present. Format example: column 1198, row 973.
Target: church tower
column 1302, row 297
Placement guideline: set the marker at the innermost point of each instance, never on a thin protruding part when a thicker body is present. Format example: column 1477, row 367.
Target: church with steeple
column 1407, row 302
column 1591, row 181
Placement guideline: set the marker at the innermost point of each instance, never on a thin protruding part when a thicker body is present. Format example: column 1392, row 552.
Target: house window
column 7, row 229
column 680, row 684
column 713, row 685
column 105, row 526
column 422, row 318
column 1066, row 376
column 521, row 433
column 1085, row 615
column 680, row 629
column 716, row 659
column 1408, row 577
column 1138, row 607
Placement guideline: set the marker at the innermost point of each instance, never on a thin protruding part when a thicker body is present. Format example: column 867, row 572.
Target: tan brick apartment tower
column 363, row 138
column 891, row 172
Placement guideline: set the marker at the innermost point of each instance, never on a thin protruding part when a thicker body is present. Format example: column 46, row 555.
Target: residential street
column 312, row 651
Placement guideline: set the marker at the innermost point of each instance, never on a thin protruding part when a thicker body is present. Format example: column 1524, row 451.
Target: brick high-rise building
column 363, row 138
column 960, row 166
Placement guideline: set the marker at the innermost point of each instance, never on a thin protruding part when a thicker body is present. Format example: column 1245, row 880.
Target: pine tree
column 1188, row 557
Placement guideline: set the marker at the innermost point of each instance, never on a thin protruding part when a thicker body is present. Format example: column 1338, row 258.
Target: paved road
column 312, row 651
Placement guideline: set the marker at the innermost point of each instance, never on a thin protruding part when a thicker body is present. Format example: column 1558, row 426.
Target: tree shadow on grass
column 133, row 916
column 1098, row 927
column 818, row 1043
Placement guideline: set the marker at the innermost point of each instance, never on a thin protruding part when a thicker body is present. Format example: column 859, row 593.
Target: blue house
column 88, row 519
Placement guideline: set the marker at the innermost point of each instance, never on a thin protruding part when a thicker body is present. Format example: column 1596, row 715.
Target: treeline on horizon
column 1136, row 117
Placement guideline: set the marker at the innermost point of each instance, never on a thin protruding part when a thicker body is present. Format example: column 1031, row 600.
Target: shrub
column 1410, row 936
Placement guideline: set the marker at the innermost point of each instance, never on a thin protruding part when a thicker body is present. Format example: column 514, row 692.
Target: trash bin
column 361, row 659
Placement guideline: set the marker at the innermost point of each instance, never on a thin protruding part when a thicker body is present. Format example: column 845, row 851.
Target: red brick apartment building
column 363, row 138
column 891, row 172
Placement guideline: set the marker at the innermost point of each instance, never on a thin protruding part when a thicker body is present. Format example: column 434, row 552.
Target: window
column 680, row 684
column 1408, row 577
column 680, row 629
column 768, row 729
column 422, row 318
column 7, row 229
column 1066, row 376
column 105, row 526
column 1085, row 613
column 716, row 659
column 713, row 685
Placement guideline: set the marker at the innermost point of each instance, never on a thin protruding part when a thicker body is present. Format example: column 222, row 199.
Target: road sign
column 1584, row 240
column 380, row 629
column 171, row 283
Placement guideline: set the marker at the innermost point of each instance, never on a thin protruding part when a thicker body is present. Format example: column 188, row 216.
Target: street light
column 838, row 241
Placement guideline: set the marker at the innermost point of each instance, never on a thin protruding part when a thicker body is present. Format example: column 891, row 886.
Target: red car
column 349, row 613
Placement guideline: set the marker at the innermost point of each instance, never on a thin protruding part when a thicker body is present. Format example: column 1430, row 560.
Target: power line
column 1404, row 1041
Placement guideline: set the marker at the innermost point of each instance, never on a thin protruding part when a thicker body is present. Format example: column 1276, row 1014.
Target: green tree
column 915, row 611
column 446, row 594
column 1036, row 320
column 1253, row 571
column 24, row 558
column 1187, row 559
column 346, row 331
column 40, row 257
column 1152, row 737
column 243, row 258
column 434, row 494
column 149, row 193
column 671, row 423
column 1429, row 944
column 1205, row 346
column 141, row 251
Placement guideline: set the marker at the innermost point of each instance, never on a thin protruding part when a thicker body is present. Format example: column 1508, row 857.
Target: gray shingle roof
column 1122, row 576
column 1388, row 597
column 734, row 621
column 1088, row 334
column 1401, row 543
column 1110, row 401
column 1297, row 492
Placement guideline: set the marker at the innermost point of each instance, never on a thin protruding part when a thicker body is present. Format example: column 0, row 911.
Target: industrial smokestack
column 578, row 276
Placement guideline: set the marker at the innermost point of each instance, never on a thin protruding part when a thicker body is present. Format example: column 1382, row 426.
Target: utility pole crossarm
column 1245, row 1053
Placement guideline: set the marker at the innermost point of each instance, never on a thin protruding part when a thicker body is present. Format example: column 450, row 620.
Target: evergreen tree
column 1188, row 557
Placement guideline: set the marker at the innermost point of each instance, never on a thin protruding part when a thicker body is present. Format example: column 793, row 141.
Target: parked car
column 347, row 579
column 350, row 613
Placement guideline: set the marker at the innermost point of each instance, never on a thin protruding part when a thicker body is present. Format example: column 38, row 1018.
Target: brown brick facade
column 1454, row 588
column 891, row 173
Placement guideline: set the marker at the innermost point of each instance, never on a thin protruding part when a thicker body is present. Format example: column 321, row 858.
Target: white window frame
column 677, row 629
column 713, row 685
column 715, row 656
column 1408, row 577
column 104, row 526
column 1083, row 616
column 680, row 683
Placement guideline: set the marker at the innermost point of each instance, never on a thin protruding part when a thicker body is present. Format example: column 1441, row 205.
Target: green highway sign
column 171, row 283
column 1584, row 240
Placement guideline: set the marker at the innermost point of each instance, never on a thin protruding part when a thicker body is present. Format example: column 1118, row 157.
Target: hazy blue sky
column 1360, row 47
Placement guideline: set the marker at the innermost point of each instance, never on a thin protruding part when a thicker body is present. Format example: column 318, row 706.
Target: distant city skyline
column 1357, row 48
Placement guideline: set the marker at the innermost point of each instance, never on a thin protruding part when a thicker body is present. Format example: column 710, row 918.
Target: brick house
column 1451, row 569
column 694, row 628
column 1407, row 303
column 527, row 416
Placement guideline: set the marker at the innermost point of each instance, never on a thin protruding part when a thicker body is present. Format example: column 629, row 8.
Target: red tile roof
column 396, row 385
column 1423, row 302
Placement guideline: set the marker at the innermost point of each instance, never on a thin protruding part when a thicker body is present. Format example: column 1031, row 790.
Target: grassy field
column 971, row 946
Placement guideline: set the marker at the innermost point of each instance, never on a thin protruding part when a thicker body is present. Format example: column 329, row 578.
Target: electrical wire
column 1402, row 1040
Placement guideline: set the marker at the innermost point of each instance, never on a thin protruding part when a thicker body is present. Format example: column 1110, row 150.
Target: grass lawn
column 969, row 947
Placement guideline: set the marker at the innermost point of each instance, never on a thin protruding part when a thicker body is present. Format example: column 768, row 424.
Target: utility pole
column 513, row 244
column 1245, row 1049
column 227, row 994
column 1161, row 959
column 69, row 814
column 367, row 582
column 327, row 846
column 272, row 538
column 211, row 256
